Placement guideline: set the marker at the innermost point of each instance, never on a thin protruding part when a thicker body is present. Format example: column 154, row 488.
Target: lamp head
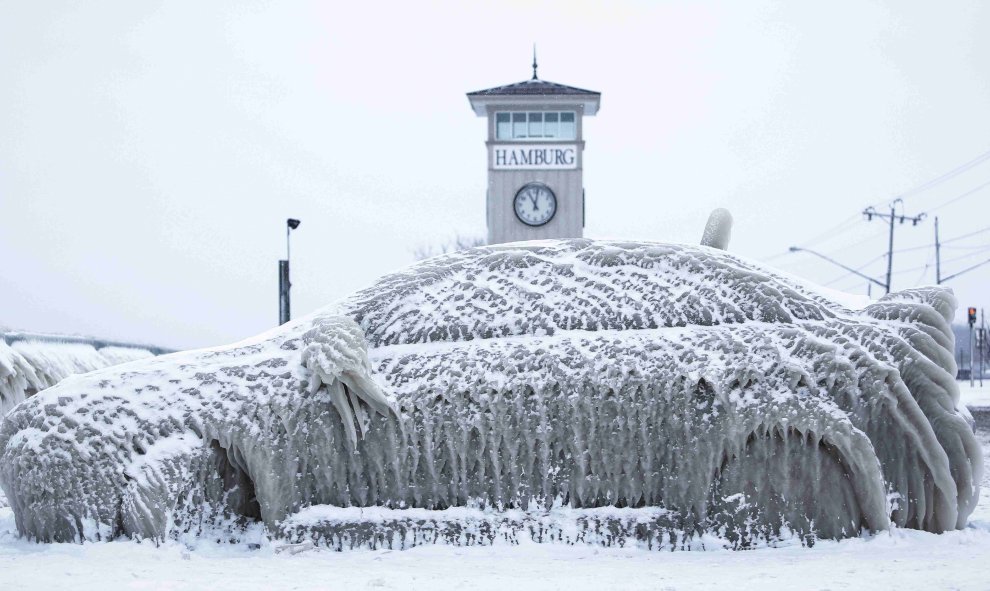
column 293, row 223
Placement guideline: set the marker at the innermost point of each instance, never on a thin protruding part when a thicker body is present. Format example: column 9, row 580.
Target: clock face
column 535, row 204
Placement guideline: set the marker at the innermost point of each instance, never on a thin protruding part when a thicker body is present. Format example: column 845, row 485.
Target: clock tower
column 535, row 158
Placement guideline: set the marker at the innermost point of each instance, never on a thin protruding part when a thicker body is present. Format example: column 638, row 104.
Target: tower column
column 535, row 151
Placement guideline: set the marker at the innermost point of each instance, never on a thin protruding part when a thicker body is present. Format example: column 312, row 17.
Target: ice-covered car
column 642, row 390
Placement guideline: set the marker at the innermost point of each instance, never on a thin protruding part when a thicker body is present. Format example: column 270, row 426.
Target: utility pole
column 983, row 343
column 938, row 256
column 971, row 316
column 891, row 217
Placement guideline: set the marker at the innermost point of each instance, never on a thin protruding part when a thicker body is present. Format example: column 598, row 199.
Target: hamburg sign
column 534, row 157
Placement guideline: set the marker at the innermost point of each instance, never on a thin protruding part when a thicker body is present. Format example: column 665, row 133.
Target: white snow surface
column 975, row 396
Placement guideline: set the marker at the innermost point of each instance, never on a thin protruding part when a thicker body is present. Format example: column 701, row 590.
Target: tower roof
column 525, row 92
column 529, row 91
column 534, row 86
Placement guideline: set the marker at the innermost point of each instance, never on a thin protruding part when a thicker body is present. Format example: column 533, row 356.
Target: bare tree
column 459, row 242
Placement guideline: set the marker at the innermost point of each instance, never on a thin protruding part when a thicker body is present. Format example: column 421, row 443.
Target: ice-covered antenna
column 718, row 230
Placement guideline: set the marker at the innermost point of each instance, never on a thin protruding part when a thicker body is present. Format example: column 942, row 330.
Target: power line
column 923, row 271
column 859, row 268
column 854, row 282
column 947, row 176
column 943, row 244
column 931, row 244
column 846, row 225
column 840, row 228
column 966, row 246
column 915, row 268
column 980, row 249
column 960, row 196
column 966, row 270
column 914, row 248
column 870, row 212
column 836, row 230
column 855, row 244
column 847, row 268
column 967, row 255
column 974, row 233
column 938, row 261
column 774, row 257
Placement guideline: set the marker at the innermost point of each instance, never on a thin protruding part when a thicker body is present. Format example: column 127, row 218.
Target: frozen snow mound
column 530, row 379
column 29, row 366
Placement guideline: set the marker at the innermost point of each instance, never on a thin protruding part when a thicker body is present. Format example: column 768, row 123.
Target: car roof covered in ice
column 540, row 288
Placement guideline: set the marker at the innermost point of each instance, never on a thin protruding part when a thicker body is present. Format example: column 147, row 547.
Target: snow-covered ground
column 900, row 559
column 975, row 397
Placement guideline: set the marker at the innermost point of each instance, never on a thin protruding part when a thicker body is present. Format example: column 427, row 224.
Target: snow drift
column 28, row 366
column 678, row 385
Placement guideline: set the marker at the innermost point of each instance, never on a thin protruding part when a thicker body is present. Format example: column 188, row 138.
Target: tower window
column 567, row 127
column 536, row 125
column 519, row 125
column 550, row 125
column 503, row 125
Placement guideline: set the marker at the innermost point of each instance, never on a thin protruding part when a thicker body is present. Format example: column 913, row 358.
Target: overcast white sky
column 151, row 151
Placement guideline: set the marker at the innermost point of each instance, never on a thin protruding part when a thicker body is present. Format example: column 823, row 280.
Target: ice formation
column 639, row 388
column 29, row 366
column 718, row 230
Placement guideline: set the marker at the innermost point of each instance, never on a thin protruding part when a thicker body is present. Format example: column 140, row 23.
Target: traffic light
column 972, row 316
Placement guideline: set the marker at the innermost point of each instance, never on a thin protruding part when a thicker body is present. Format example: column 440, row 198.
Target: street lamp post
column 284, row 284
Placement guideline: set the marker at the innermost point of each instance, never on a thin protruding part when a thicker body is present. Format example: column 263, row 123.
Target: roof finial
column 534, row 62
